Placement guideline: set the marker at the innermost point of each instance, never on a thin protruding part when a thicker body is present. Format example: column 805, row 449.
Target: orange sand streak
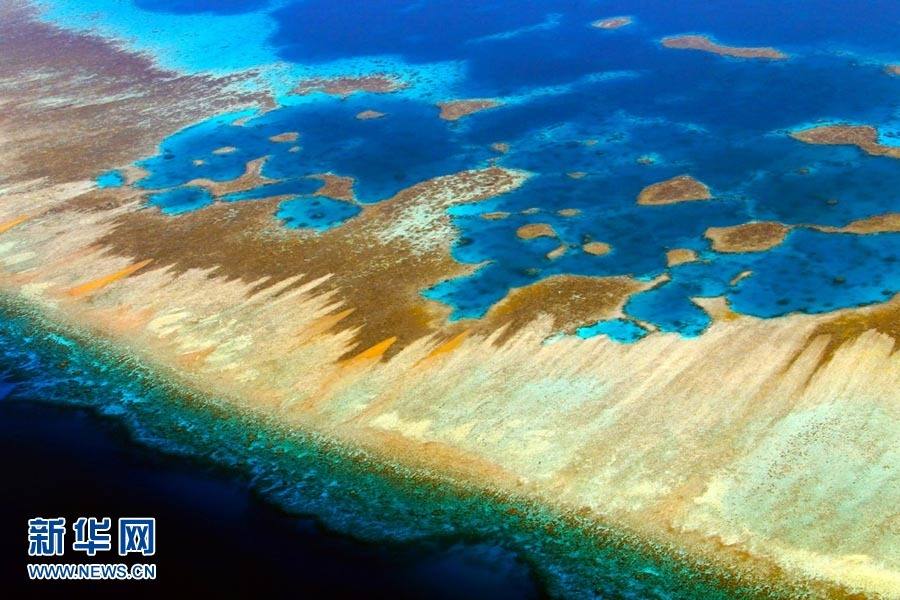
column 323, row 324
column 7, row 225
column 373, row 353
column 101, row 282
column 448, row 346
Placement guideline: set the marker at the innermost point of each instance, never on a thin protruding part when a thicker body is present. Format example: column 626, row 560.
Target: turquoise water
column 110, row 179
column 318, row 214
column 613, row 104
column 180, row 200
column 348, row 494
column 621, row 330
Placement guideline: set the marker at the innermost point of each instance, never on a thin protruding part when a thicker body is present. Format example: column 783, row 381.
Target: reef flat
column 694, row 378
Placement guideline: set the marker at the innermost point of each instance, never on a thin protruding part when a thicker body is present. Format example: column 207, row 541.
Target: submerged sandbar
column 612, row 22
column 368, row 115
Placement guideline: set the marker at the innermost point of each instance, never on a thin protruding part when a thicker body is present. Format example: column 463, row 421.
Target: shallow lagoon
column 614, row 105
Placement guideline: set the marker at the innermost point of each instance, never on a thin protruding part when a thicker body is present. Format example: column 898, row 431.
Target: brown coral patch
column 893, row 70
column 570, row 300
column 864, row 137
column 501, row 147
column 679, row 256
column 286, row 137
column 377, row 83
column 597, row 248
column 457, row 109
column 682, row 188
column 335, row 186
column 535, row 230
column 568, row 212
column 748, row 237
column 703, row 43
column 495, row 216
column 886, row 223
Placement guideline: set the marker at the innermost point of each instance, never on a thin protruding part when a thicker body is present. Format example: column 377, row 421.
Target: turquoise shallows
column 620, row 330
column 110, row 179
column 181, row 199
column 316, row 213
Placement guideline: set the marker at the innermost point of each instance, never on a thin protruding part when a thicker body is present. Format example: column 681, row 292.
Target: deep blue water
column 619, row 97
